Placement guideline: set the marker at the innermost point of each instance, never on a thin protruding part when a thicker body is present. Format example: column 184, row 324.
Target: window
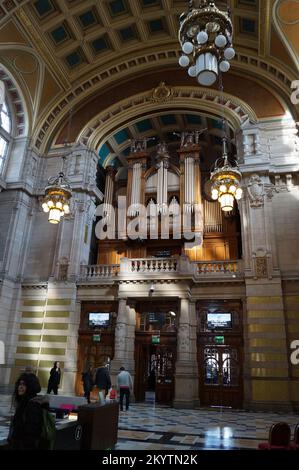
column 5, row 133
column 3, row 150
column 5, row 119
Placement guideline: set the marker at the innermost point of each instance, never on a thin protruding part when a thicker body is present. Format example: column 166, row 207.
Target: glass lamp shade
column 239, row 193
column 184, row 61
column 229, row 53
column 215, row 194
column 220, row 40
column 54, row 216
column 66, row 209
column 202, row 37
column 224, row 66
column 227, row 202
column 187, row 47
column 206, row 69
column 192, row 71
column 45, row 207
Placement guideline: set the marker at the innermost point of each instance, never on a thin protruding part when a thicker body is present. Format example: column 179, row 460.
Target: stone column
column 186, row 374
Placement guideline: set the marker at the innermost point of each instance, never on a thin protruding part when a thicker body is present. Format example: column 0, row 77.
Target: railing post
column 125, row 266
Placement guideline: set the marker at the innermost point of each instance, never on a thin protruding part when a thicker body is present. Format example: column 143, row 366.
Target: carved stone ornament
column 261, row 267
column 256, row 191
column 162, row 93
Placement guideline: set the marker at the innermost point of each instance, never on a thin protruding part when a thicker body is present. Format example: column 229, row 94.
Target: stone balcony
column 178, row 267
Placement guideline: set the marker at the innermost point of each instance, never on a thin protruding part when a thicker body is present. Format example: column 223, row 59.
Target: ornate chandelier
column 205, row 35
column 226, row 180
column 57, row 196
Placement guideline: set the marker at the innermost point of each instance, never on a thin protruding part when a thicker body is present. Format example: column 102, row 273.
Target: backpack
column 48, row 430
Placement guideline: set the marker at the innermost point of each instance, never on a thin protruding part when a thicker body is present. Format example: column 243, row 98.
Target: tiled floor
column 149, row 427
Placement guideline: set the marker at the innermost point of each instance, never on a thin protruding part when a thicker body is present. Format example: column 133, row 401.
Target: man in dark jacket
column 54, row 379
column 103, row 381
column 87, row 380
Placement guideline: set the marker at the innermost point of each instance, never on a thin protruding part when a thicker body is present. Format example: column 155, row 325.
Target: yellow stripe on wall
column 30, row 326
column 266, row 342
column 265, row 328
column 33, row 314
column 34, row 303
column 27, row 350
column 53, row 351
column 29, row 337
column 264, row 313
column 26, row 362
column 56, row 326
column 279, row 390
column 56, row 314
column 265, row 357
column 55, row 338
column 59, row 302
column 264, row 300
column 263, row 372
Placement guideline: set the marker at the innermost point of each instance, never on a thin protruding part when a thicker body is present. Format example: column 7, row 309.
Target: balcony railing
column 218, row 267
column 163, row 268
column 152, row 265
column 99, row 271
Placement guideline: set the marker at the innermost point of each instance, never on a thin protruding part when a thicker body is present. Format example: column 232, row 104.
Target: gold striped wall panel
column 43, row 336
column 267, row 349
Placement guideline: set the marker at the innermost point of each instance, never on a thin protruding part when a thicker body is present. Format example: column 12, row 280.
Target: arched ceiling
column 84, row 48
column 166, row 127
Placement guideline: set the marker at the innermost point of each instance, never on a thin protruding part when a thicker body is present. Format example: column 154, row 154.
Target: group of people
column 101, row 379
column 26, row 428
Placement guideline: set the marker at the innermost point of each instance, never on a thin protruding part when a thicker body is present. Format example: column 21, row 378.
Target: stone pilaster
column 186, row 372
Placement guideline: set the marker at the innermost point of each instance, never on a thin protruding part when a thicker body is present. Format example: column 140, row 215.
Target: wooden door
column 155, row 367
column 93, row 353
column 220, row 376
column 95, row 343
column 220, row 353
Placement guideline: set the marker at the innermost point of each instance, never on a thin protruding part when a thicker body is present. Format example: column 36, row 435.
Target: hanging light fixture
column 205, row 35
column 226, row 181
column 57, row 198
column 58, row 192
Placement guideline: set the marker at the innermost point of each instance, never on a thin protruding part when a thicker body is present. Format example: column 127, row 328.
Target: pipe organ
column 164, row 192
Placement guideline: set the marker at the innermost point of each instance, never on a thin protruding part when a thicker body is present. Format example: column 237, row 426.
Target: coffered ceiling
column 65, row 53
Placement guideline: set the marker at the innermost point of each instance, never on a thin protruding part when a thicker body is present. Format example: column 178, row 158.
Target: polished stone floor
column 149, row 427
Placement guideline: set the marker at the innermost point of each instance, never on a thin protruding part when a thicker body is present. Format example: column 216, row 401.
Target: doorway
column 155, row 369
column 155, row 350
column 95, row 339
column 220, row 354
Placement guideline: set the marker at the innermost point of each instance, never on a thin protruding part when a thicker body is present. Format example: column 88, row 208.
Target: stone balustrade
column 163, row 268
column 218, row 267
column 99, row 271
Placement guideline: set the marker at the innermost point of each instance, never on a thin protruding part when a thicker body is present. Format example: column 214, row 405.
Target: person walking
column 125, row 387
column 102, row 380
column 26, row 424
column 54, row 379
column 87, row 379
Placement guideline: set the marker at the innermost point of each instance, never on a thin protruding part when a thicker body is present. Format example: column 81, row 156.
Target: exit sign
column 219, row 339
column 155, row 339
column 96, row 338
